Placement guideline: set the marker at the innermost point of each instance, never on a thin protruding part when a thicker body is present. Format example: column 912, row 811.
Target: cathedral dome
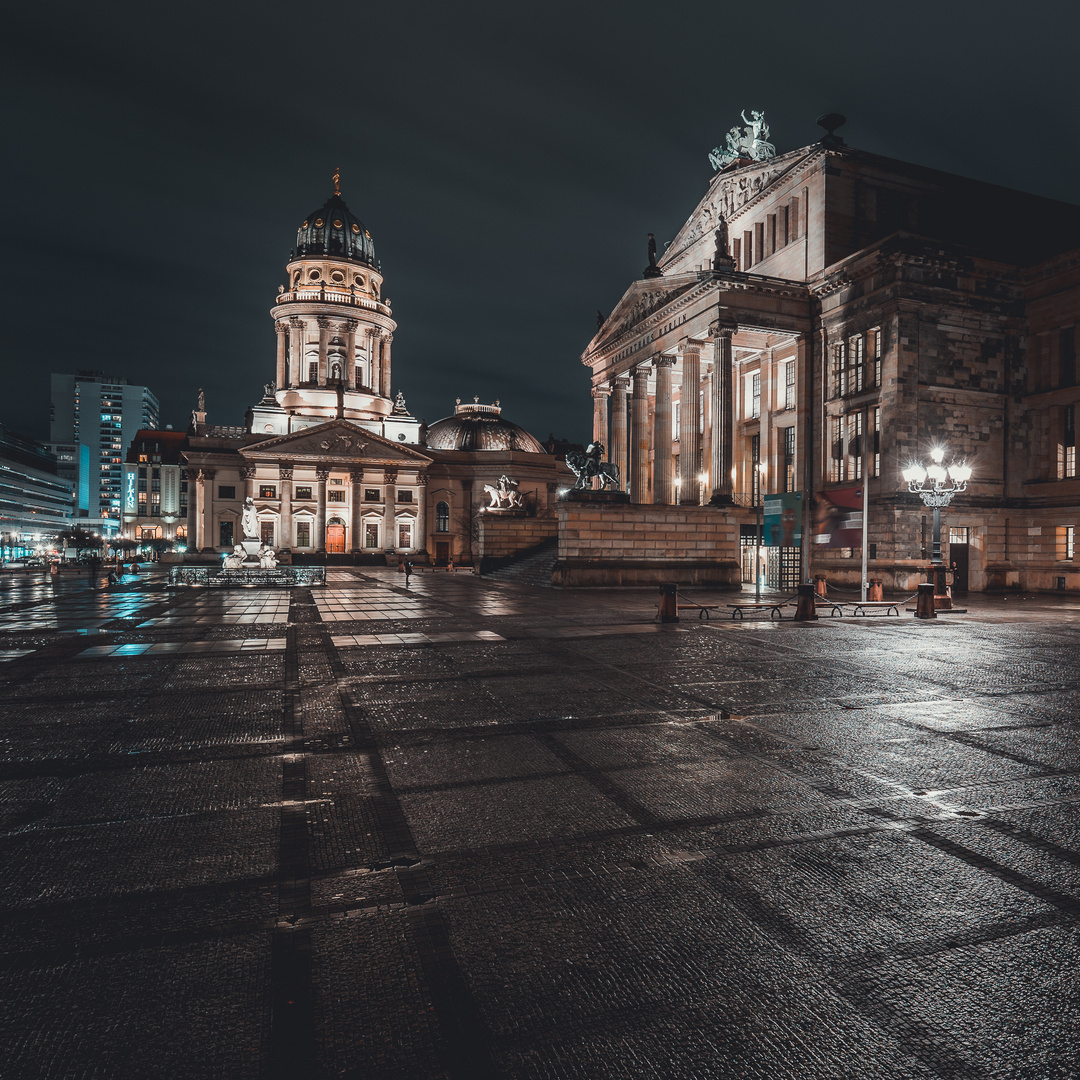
column 480, row 427
column 334, row 231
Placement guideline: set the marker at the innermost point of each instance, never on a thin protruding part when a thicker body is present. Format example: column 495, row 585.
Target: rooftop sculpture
column 752, row 142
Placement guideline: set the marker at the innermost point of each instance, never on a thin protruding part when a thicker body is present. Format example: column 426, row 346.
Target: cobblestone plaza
column 472, row 830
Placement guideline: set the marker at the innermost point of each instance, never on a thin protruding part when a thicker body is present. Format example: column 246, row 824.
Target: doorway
column 958, row 556
column 335, row 537
column 442, row 552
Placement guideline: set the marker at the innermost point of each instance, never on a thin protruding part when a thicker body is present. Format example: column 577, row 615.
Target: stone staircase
column 532, row 569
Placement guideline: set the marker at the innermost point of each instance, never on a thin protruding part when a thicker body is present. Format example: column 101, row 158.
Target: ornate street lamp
column 930, row 485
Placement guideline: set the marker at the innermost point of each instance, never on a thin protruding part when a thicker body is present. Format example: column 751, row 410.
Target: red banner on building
column 838, row 517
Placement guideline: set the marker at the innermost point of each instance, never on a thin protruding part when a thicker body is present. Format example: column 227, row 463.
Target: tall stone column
column 384, row 366
column 324, row 346
column 420, row 539
column 600, row 422
column 321, row 475
column 349, row 374
column 209, row 540
column 297, row 374
column 372, row 379
column 663, row 461
column 285, row 532
column 639, row 436
column 706, row 431
column 282, row 354
column 199, row 539
column 690, row 423
column 356, row 499
column 619, row 386
column 723, row 405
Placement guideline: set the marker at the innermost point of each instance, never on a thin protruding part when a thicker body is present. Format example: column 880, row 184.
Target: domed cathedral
column 334, row 332
column 333, row 464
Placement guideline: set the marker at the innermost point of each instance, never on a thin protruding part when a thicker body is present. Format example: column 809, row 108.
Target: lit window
column 755, row 395
column 1067, row 446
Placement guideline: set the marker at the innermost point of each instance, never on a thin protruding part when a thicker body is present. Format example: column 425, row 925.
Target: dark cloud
column 507, row 158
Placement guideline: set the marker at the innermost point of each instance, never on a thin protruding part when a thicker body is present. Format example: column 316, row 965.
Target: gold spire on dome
column 337, row 180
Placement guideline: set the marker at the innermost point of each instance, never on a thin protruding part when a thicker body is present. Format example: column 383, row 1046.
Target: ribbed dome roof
column 335, row 231
column 480, row 427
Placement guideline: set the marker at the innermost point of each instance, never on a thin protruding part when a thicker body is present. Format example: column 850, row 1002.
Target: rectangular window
column 225, row 534
column 404, row 496
column 371, row 536
column 873, row 356
column 303, row 534
column 854, row 379
column 1066, row 541
column 266, row 532
column 335, row 496
column 267, row 491
column 371, row 494
column 302, row 493
column 789, row 385
column 875, row 441
column 755, row 395
column 226, row 491
column 855, row 445
column 836, row 449
column 336, row 481
column 789, row 459
column 313, row 371
column 838, row 362
column 1067, row 446
column 404, row 536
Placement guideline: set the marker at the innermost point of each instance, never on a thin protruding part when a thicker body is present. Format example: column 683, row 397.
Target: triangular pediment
column 643, row 299
column 336, row 440
column 729, row 192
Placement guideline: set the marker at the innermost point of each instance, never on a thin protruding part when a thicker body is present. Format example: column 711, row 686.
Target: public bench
column 834, row 608
column 702, row 609
column 887, row 607
column 773, row 607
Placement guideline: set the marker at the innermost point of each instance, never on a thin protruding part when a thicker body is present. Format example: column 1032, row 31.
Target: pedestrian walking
column 450, row 566
column 408, row 571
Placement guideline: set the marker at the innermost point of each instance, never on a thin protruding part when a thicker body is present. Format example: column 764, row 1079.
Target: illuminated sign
column 129, row 495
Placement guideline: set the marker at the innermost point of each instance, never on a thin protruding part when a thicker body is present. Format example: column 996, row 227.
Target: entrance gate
column 335, row 538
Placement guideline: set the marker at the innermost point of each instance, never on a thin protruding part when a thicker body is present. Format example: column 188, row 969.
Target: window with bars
column 1067, row 446
column 1066, row 541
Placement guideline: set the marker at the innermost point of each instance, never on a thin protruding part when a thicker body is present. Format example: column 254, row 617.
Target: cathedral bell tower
column 334, row 328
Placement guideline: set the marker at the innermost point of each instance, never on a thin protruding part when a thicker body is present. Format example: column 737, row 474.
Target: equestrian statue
column 587, row 465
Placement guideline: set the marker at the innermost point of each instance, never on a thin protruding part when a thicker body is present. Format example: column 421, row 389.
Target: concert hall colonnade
column 827, row 311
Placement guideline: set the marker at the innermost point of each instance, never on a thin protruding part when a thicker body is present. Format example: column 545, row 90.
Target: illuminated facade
column 828, row 314
column 35, row 502
column 155, row 487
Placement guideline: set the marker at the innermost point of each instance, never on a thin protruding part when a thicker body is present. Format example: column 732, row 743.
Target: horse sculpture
column 504, row 495
column 587, row 465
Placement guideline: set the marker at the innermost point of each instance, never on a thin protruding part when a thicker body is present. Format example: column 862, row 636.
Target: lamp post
column 762, row 469
column 929, row 485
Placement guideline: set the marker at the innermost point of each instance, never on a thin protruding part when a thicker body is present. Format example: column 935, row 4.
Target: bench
column 834, row 608
column 702, row 609
column 865, row 607
column 774, row 608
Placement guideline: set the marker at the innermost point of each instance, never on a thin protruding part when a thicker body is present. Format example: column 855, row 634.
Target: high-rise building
column 35, row 503
column 95, row 417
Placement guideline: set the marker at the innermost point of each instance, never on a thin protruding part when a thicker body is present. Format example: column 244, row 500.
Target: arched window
column 442, row 517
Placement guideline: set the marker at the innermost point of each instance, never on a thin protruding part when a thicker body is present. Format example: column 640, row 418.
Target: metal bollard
column 924, row 606
column 668, row 608
column 806, row 609
column 819, row 585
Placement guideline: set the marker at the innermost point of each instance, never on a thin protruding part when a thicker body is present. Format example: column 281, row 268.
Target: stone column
column 420, row 539
column 723, row 405
column 619, row 386
column 285, row 532
column 373, row 353
column 706, row 432
column 321, row 475
column 639, row 436
column 690, row 423
column 282, row 354
column 390, row 510
column 384, row 367
column 297, row 374
column 198, row 541
column 600, row 423
column 324, row 345
column 663, row 462
column 209, row 540
column 356, row 495
column 349, row 375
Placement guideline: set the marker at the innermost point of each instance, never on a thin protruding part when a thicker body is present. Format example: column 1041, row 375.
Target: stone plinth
column 504, row 537
column 631, row 544
column 585, row 495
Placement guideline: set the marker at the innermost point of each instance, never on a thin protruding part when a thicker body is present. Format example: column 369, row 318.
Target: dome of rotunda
column 334, row 231
column 480, row 427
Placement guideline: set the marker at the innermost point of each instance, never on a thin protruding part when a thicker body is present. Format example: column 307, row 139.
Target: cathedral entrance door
column 335, row 537
column 442, row 552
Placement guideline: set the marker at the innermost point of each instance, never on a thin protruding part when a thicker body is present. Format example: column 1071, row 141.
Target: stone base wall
column 647, row 545
column 504, row 537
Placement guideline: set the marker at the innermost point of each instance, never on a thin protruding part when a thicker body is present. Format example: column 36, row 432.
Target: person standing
column 408, row 572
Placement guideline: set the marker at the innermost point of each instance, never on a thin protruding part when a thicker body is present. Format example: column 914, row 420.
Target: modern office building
column 35, row 503
column 95, row 418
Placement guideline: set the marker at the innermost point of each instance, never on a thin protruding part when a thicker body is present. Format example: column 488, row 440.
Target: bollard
column 806, row 608
column 668, row 609
column 876, row 590
column 924, row 606
column 819, row 585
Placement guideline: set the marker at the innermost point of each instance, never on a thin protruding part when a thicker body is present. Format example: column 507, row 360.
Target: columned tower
column 334, row 327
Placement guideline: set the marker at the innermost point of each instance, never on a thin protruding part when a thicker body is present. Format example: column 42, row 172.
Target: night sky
column 507, row 158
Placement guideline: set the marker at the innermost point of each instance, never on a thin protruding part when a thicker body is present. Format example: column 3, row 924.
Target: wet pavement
column 470, row 830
